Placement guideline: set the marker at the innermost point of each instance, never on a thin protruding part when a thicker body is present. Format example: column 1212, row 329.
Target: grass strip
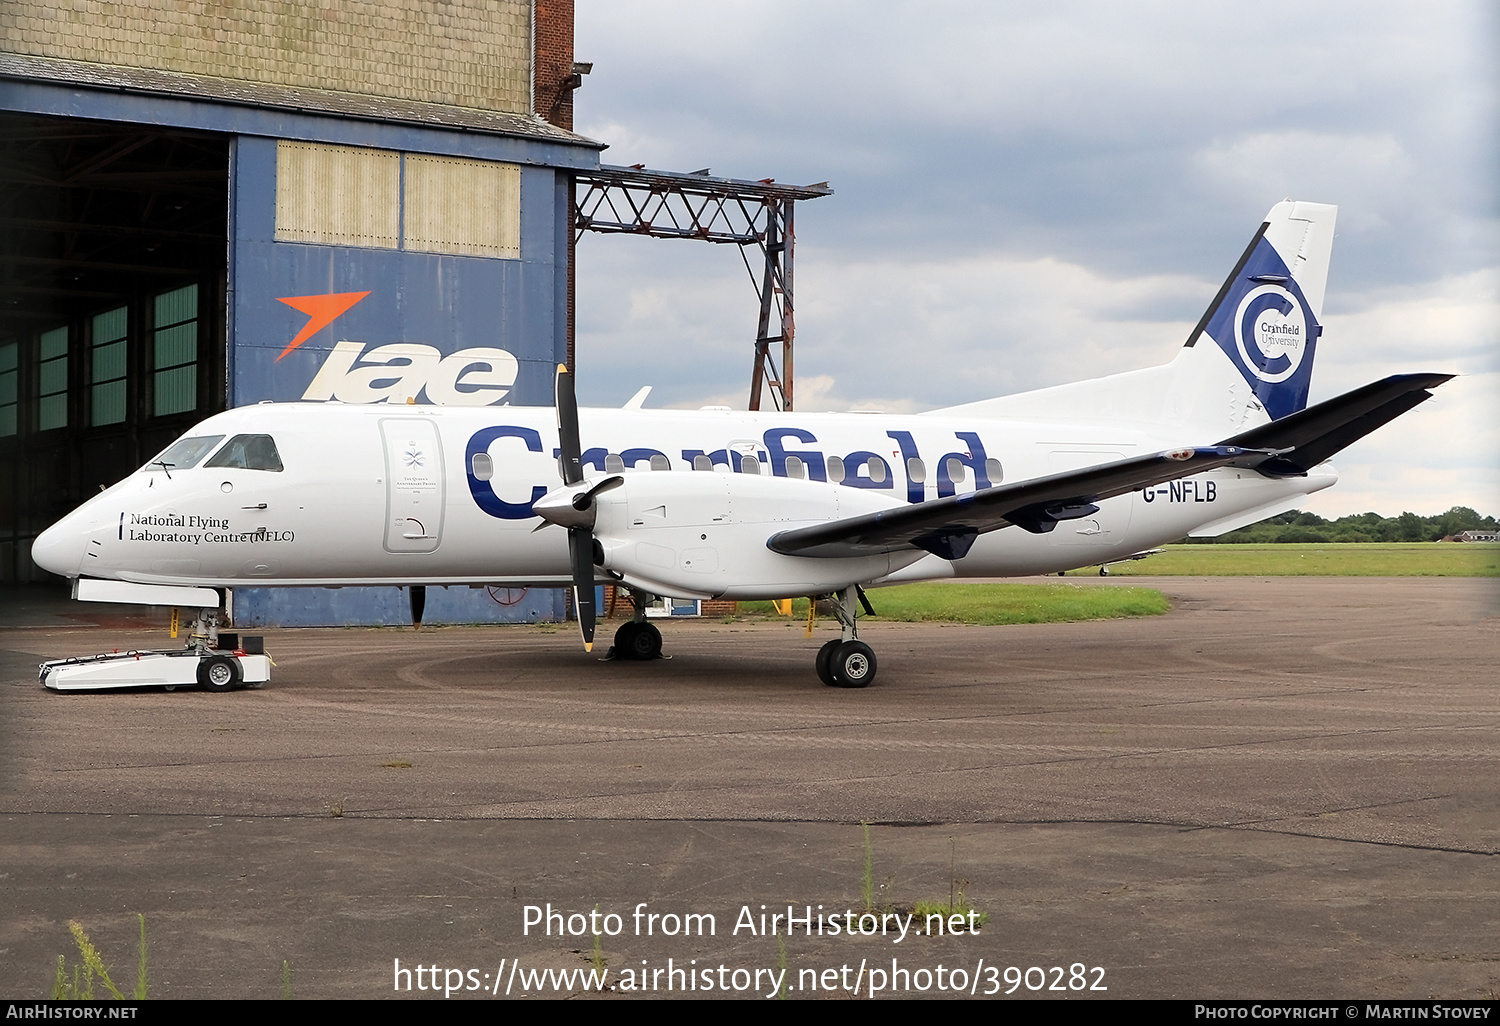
column 1321, row 559
column 991, row 604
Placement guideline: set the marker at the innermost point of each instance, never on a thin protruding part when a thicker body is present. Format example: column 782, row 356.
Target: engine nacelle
column 694, row 534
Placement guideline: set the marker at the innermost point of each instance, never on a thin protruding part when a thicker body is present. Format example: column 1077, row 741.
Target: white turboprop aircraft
column 723, row 504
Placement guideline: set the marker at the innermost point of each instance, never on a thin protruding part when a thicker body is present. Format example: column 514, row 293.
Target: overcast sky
column 1028, row 194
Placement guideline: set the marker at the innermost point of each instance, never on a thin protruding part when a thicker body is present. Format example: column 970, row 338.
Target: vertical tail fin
column 1247, row 362
column 1265, row 319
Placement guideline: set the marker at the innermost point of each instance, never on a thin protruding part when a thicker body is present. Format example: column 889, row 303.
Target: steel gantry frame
column 728, row 211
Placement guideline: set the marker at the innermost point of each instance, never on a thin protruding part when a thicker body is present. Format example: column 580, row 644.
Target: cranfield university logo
column 401, row 371
column 1271, row 330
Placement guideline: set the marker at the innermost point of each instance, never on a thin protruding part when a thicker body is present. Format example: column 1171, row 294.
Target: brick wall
column 467, row 53
column 554, row 62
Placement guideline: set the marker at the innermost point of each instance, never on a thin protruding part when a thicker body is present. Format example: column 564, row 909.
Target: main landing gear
column 847, row 662
column 638, row 638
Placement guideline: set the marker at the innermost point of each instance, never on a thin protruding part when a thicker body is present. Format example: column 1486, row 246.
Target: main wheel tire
column 853, row 665
column 219, row 673
column 645, row 643
column 824, row 662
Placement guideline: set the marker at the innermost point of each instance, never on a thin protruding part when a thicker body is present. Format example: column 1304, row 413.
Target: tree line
column 1297, row 526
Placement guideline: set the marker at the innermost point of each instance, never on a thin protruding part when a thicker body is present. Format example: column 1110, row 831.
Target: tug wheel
column 218, row 673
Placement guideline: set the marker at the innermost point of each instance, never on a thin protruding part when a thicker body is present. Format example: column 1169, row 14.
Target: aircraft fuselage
column 387, row 494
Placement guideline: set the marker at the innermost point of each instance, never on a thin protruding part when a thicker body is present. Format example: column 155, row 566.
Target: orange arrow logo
column 321, row 310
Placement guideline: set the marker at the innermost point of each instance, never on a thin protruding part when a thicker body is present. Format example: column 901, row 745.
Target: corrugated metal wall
column 338, row 195
column 465, row 207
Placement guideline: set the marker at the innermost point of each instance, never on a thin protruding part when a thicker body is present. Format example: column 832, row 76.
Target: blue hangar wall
column 358, row 241
column 315, row 315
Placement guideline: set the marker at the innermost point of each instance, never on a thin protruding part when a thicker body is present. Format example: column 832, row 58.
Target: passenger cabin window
column 248, row 452
column 184, row 453
column 660, row 462
column 994, row 471
column 835, row 470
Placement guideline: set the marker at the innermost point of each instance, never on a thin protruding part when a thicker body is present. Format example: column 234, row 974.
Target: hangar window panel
column 337, row 195
column 174, row 352
column 52, row 379
column 107, row 367
column 10, row 380
column 463, row 207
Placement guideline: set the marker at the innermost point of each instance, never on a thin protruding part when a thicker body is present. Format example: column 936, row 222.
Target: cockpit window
column 184, row 453
column 248, row 452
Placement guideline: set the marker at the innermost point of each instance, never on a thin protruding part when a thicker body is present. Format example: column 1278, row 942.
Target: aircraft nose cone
column 59, row 549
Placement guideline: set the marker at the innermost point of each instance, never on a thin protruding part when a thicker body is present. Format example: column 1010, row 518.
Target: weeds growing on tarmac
column 78, row 985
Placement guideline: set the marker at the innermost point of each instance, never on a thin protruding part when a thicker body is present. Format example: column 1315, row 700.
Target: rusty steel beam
column 727, row 211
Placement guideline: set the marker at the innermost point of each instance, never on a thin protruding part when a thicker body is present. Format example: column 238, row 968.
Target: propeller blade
column 567, row 428
column 581, row 552
column 417, row 594
column 585, row 500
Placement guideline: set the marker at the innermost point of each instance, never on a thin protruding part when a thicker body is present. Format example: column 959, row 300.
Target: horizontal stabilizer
column 1305, row 439
column 948, row 526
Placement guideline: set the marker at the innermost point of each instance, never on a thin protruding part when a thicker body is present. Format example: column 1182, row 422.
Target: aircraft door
column 414, row 494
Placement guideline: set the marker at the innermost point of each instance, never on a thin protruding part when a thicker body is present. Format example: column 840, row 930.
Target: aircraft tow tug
column 217, row 661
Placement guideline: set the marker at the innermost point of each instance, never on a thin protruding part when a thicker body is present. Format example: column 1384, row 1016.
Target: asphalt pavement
column 1283, row 788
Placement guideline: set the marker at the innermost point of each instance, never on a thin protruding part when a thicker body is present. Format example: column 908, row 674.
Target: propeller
column 572, row 507
column 417, row 595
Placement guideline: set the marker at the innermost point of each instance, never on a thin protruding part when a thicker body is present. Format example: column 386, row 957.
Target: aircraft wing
column 948, row 526
column 1304, row 439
